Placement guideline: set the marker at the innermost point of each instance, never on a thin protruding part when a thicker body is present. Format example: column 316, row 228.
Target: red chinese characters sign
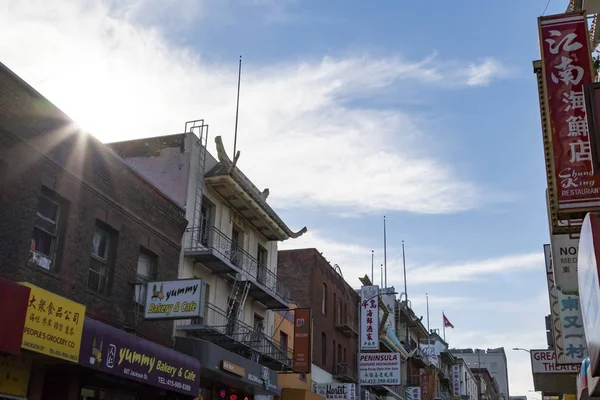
column 566, row 63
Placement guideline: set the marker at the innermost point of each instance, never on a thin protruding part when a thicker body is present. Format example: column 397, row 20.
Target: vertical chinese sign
column 571, row 348
column 369, row 317
column 53, row 325
column 575, row 347
column 566, row 64
column 456, row 380
column 302, row 340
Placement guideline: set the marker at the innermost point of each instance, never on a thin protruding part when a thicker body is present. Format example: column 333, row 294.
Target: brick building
column 316, row 284
column 77, row 221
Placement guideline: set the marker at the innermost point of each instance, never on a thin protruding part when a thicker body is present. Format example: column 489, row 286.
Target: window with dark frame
column 45, row 233
column 262, row 260
column 283, row 342
column 99, row 264
column 146, row 272
column 205, row 223
column 333, row 357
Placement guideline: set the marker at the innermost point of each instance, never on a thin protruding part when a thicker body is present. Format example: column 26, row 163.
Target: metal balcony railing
column 207, row 237
column 344, row 371
column 230, row 332
column 346, row 324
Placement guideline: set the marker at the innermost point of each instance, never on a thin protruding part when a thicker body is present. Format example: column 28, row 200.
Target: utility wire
column 546, row 8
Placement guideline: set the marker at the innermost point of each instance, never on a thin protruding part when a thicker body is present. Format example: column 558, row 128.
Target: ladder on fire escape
column 200, row 129
column 238, row 286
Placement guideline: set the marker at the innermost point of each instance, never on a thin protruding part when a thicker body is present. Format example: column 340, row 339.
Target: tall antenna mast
column 237, row 108
column 384, row 252
column 372, row 263
column 427, row 297
column 381, row 276
column 404, row 266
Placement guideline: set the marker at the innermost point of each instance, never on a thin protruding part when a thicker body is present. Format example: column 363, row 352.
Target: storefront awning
column 227, row 368
column 116, row 352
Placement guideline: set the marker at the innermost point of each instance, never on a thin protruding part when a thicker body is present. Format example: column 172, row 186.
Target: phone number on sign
column 175, row 384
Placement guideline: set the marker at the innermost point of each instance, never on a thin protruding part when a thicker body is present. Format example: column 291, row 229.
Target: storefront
column 115, row 352
column 228, row 376
column 58, row 353
column 14, row 363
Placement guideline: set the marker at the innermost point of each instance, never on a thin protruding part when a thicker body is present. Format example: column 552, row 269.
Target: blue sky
column 425, row 112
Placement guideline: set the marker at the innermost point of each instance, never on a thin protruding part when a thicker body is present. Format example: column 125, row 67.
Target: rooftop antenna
column 381, row 276
column 236, row 154
column 372, row 263
column 384, row 251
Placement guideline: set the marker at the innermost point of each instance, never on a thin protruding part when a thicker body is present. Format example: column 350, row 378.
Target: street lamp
column 521, row 349
column 359, row 315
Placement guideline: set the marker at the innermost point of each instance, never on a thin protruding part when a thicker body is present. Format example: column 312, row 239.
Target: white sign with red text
column 379, row 369
column 544, row 362
column 369, row 317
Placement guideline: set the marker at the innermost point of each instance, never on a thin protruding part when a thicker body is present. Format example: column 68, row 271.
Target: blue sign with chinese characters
column 574, row 344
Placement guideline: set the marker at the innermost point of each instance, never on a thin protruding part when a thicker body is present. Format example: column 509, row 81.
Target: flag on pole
column 447, row 323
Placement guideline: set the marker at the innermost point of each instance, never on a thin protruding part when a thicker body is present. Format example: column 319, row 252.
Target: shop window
column 102, row 243
column 105, row 394
column 45, row 232
column 146, row 272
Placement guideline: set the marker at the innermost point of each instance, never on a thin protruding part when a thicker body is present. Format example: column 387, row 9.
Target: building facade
column 494, row 360
column 467, row 381
column 81, row 232
column 231, row 244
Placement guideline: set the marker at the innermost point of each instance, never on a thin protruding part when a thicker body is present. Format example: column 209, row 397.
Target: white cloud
column 298, row 135
column 481, row 74
column 355, row 260
column 471, row 270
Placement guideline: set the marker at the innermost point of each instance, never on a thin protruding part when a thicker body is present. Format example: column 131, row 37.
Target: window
column 259, row 323
column 45, row 233
column 283, row 342
column 339, row 354
column 206, row 213
column 237, row 246
column 100, row 244
column 262, row 260
column 323, row 349
column 324, row 301
column 333, row 354
column 336, row 315
column 146, row 272
column 98, row 270
column 345, row 359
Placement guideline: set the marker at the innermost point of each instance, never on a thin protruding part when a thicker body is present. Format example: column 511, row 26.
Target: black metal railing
column 207, row 237
column 217, row 319
column 344, row 370
column 346, row 320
